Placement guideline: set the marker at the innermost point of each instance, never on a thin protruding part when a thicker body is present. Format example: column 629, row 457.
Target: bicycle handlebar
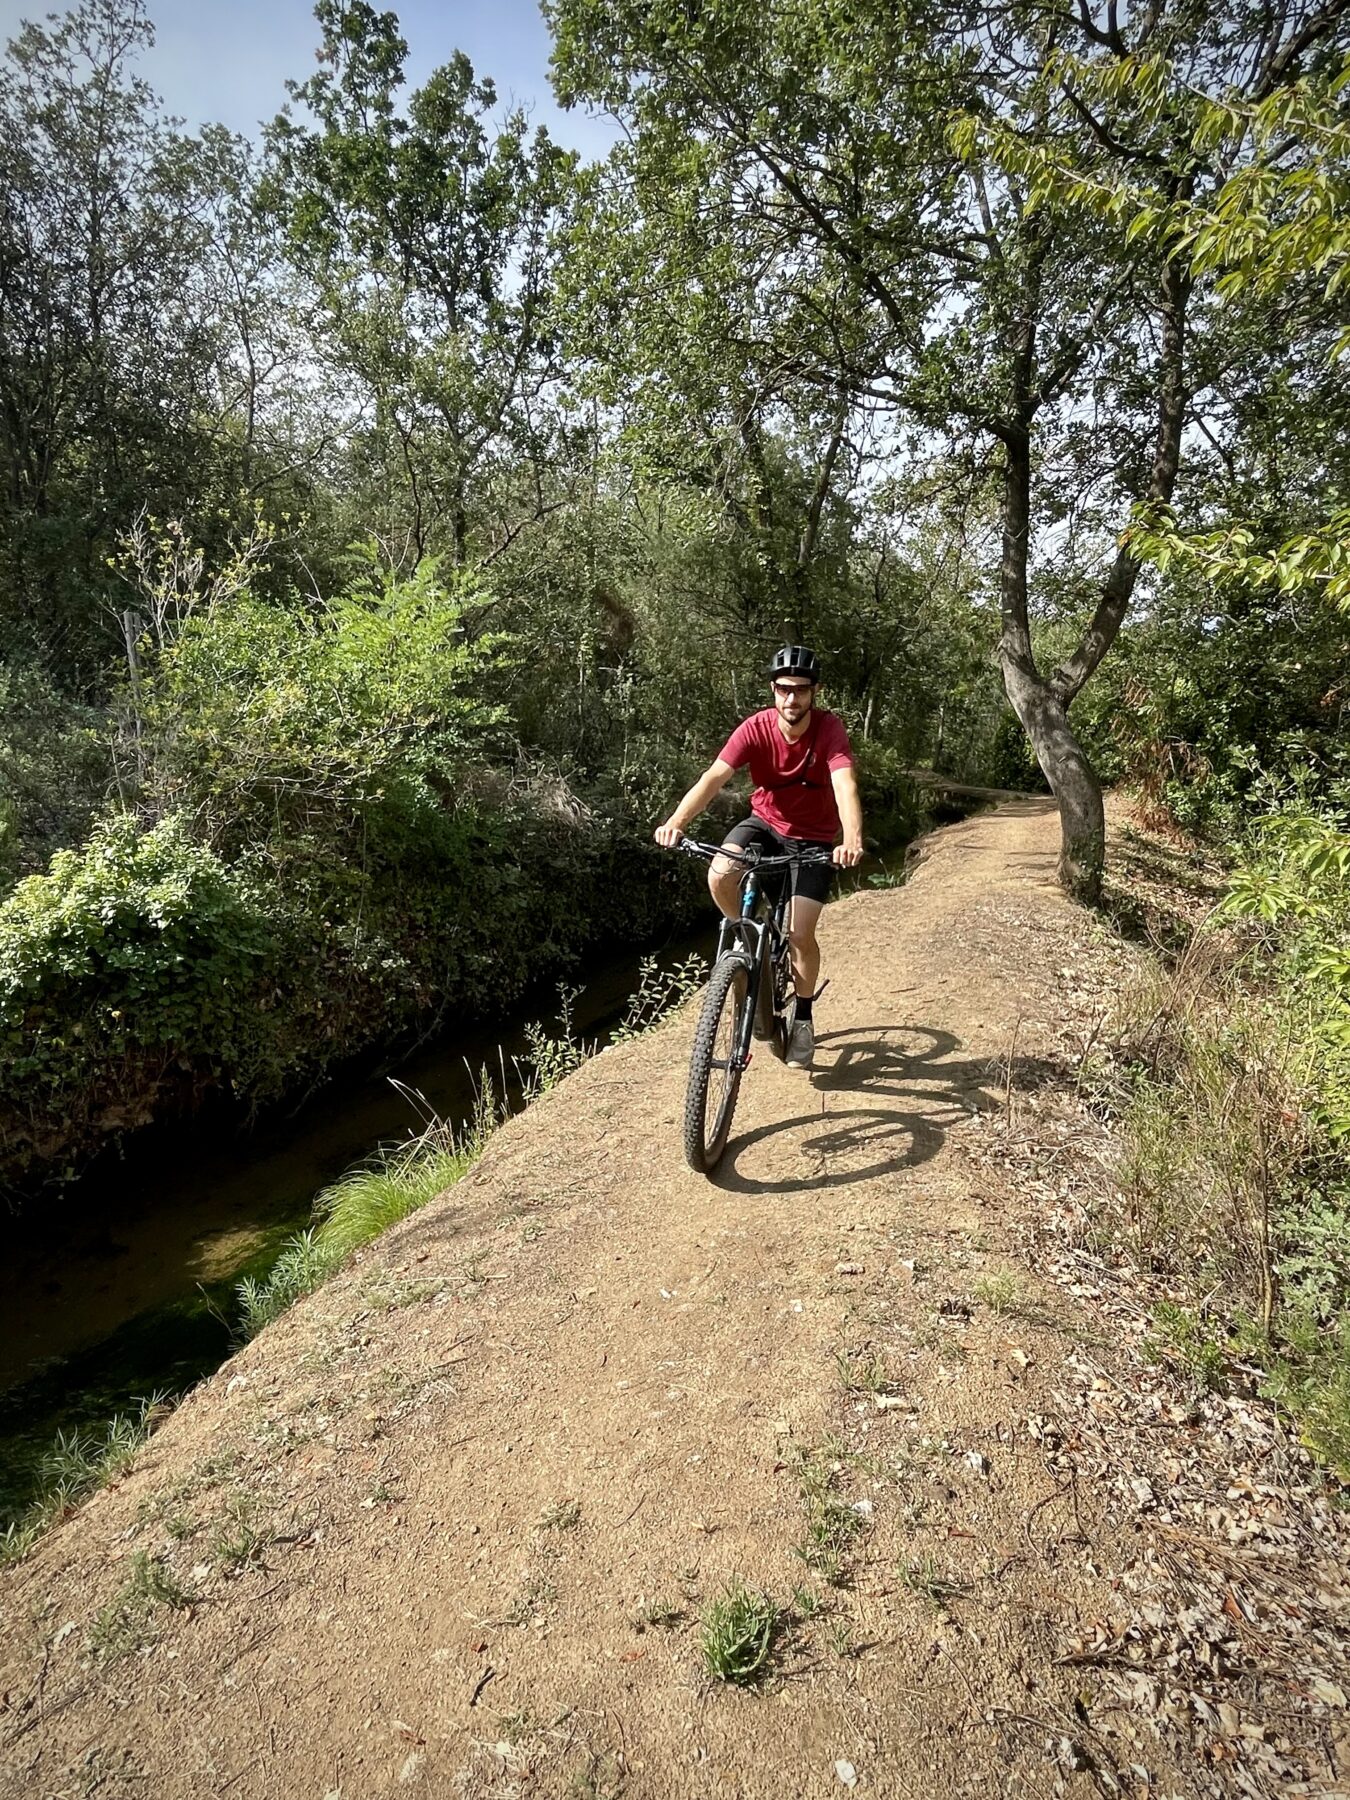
column 754, row 858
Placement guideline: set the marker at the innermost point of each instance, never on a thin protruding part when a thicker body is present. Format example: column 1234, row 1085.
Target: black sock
column 803, row 1012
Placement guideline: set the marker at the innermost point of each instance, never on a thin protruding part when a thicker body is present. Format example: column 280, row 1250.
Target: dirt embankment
column 448, row 1528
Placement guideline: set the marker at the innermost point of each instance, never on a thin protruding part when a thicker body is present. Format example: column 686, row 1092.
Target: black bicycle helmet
column 795, row 659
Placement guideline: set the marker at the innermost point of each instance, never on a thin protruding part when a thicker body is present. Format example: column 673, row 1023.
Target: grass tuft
column 662, row 1613
column 862, row 1372
column 128, row 1622
column 923, row 1576
column 364, row 1203
column 832, row 1523
column 302, row 1265
column 1000, row 1292
column 737, row 1634
column 79, row 1463
column 807, row 1601
column 237, row 1542
column 561, row 1515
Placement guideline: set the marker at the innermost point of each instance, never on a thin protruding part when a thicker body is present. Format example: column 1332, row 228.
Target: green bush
column 54, row 770
column 1211, row 691
column 130, row 974
column 892, row 810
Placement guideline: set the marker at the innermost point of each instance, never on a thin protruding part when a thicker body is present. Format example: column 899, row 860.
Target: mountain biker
column 805, row 793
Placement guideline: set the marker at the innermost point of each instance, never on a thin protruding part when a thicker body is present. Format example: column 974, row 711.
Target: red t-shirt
column 792, row 793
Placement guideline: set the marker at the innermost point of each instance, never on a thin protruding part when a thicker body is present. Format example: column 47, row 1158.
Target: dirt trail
column 449, row 1524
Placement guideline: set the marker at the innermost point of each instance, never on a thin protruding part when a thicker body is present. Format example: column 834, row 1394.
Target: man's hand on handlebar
column 848, row 856
column 669, row 836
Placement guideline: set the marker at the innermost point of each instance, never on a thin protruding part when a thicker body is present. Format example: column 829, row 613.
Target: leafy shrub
column 277, row 723
column 1211, row 691
column 53, row 772
column 1295, row 880
column 129, row 974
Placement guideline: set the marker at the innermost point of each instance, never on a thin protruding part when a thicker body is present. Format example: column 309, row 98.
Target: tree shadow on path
column 856, row 1131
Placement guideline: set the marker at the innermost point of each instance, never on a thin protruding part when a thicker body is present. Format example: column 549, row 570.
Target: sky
column 227, row 61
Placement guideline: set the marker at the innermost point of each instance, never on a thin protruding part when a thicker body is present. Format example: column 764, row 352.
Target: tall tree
column 427, row 235
column 100, row 362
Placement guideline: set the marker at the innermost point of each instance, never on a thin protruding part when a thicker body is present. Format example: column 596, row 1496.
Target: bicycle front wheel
column 714, row 1077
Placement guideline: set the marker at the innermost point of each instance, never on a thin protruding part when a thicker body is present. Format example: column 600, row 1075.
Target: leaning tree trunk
column 1043, row 714
column 1073, row 780
column 1041, row 704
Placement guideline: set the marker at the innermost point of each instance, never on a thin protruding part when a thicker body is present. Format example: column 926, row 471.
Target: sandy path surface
column 447, row 1528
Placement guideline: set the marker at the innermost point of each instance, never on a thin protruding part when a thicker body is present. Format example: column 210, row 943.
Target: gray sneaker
column 801, row 1048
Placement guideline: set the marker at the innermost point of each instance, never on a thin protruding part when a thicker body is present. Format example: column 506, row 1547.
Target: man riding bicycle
column 805, row 793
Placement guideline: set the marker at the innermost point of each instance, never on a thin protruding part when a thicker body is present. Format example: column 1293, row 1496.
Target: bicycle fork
column 745, row 935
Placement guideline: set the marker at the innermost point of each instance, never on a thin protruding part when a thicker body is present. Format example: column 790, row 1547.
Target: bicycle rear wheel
column 714, row 1080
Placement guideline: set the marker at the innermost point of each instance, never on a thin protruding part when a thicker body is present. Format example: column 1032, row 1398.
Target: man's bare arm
column 845, row 785
column 709, row 784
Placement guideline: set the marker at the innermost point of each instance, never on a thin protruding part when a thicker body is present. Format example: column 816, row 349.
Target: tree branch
column 1118, row 588
column 1072, row 355
column 811, row 528
column 1282, row 58
column 1126, row 152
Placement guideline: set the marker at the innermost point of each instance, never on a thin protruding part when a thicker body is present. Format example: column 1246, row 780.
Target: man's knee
column 721, row 880
column 802, row 926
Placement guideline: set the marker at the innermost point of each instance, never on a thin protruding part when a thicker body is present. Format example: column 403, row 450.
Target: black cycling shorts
column 810, row 880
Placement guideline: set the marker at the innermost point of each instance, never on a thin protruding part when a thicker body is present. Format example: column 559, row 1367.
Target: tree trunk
column 806, row 547
column 1082, row 819
column 1039, row 708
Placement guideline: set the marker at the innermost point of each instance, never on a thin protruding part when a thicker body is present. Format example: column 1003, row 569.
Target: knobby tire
column 718, row 1033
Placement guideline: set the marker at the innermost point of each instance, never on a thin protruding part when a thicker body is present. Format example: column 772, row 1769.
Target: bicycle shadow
column 915, row 1064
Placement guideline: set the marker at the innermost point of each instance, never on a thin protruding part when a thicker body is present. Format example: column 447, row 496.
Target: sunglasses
column 788, row 688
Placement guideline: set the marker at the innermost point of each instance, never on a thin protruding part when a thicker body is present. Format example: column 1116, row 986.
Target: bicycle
column 750, row 994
